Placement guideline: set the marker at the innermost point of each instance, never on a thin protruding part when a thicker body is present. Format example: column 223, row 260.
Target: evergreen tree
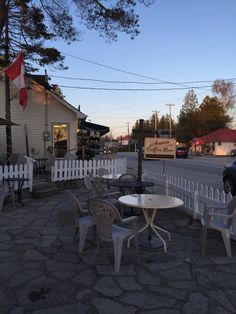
column 187, row 126
column 32, row 25
column 212, row 115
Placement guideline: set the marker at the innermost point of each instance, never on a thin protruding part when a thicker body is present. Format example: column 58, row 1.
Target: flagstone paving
column 41, row 272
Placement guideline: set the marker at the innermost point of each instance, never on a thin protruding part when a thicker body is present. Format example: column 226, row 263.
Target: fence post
column 195, row 204
column 166, row 185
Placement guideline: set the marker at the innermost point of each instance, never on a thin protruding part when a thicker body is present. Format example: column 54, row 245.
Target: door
column 60, row 137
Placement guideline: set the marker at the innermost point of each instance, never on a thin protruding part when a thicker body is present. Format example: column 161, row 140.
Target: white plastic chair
column 81, row 223
column 101, row 192
column 70, row 156
column 105, row 215
column 89, row 186
column 220, row 219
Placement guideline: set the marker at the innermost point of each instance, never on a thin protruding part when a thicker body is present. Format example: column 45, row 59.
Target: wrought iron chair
column 76, row 217
column 105, row 215
column 219, row 219
column 5, row 192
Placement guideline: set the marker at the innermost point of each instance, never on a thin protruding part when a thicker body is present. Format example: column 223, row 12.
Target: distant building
column 219, row 143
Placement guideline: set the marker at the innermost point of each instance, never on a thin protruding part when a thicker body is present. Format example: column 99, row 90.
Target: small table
column 150, row 203
column 41, row 166
column 20, row 182
column 133, row 186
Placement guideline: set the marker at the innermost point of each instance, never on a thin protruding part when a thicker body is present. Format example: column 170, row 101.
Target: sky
column 181, row 42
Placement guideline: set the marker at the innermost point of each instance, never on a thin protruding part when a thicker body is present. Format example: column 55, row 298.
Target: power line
column 133, row 89
column 133, row 82
column 123, row 71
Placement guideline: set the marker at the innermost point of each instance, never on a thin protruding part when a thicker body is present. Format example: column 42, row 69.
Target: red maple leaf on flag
column 16, row 73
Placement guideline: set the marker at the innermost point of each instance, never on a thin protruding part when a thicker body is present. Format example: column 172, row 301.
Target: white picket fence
column 64, row 170
column 194, row 195
column 18, row 171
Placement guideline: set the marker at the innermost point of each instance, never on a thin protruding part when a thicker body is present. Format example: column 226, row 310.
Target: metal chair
column 220, row 219
column 76, row 217
column 105, row 215
column 5, row 192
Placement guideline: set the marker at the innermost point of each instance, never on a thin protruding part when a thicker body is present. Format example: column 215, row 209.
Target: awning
column 102, row 129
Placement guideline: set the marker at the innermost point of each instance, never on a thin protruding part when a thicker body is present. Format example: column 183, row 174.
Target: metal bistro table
column 133, row 186
column 150, row 203
column 20, row 182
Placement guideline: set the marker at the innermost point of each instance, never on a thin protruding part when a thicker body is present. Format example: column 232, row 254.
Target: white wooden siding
column 34, row 117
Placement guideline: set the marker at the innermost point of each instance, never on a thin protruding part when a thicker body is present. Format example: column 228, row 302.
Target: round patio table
column 150, row 203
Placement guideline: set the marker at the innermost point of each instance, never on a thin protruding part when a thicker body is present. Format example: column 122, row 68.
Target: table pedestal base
column 150, row 244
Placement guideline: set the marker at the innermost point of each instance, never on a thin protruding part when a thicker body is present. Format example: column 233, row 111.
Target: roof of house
column 42, row 80
column 221, row 135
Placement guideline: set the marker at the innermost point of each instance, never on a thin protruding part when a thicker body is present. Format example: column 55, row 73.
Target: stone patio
column 41, row 272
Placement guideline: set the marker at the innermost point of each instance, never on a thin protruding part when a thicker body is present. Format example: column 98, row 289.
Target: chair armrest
column 116, row 194
column 219, row 215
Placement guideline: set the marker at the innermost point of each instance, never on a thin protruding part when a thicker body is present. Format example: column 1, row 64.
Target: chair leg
column 83, row 231
column 226, row 239
column 118, row 245
column 97, row 248
column 203, row 239
column 1, row 202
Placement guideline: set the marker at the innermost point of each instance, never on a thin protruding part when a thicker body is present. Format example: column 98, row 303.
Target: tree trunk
column 7, row 91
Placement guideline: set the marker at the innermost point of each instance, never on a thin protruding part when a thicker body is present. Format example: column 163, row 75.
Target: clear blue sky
column 180, row 41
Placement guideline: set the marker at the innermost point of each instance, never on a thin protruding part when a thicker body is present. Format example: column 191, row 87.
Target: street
column 202, row 169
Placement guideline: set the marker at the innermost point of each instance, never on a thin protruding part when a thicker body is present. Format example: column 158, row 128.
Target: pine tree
column 187, row 125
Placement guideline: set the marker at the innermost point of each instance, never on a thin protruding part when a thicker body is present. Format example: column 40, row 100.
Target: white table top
column 111, row 176
column 150, row 201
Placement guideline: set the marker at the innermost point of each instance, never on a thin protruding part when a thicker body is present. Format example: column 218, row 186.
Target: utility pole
column 128, row 137
column 170, row 105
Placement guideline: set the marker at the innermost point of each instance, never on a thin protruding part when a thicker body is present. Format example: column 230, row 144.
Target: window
column 60, row 139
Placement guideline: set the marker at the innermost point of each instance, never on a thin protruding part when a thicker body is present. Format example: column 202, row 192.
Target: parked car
column 229, row 177
column 181, row 151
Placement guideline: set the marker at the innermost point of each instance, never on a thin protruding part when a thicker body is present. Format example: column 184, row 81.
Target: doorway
column 60, row 138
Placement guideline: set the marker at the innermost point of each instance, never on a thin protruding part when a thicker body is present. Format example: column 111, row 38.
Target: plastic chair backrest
column 77, row 203
column 105, row 214
column 231, row 210
column 99, row 189
column 127, row 177
column 88, row 182
column 69, row 156
column 102, row 171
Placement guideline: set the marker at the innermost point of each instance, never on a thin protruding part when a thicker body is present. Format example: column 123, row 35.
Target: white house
column 48, row 120
column 218, row 143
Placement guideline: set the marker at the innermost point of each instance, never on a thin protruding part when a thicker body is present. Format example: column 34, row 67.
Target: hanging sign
column 157, row 148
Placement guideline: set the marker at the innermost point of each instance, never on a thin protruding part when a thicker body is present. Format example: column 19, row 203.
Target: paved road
column 202, row 169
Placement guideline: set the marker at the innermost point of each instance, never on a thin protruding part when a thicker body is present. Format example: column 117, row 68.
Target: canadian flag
column 16, row 73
